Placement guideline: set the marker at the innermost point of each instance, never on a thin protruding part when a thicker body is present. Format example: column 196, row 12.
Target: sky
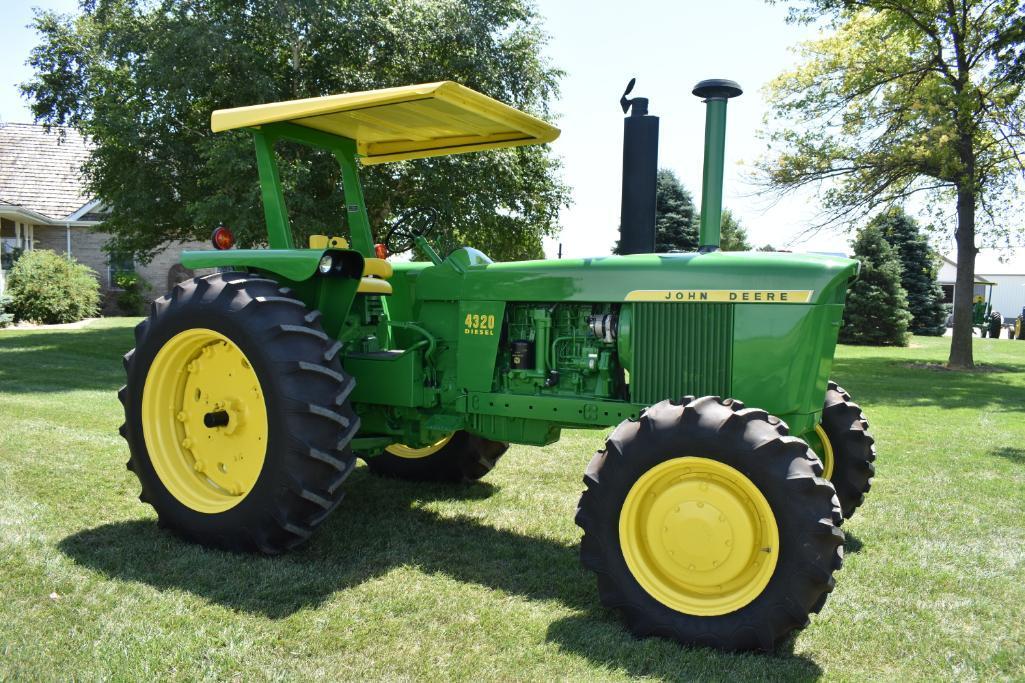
column 668, row 45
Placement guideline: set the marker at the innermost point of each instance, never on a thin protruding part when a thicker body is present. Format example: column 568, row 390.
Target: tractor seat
column 376, row 273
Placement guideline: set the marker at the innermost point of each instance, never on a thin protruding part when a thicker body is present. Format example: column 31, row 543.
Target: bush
column 5, row 305
column 877, row 305
column 131, row 300
column 47, row 288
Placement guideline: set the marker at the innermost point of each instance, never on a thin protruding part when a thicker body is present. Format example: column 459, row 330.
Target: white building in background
column 1005, row 270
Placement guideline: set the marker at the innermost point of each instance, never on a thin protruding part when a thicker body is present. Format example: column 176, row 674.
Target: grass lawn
column 482, row 582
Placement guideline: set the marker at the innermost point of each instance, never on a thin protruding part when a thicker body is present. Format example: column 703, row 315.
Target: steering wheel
column 407, row 226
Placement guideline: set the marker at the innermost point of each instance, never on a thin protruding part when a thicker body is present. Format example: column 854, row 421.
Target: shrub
column 131, row 300
column 48, row 288
column 5, row 305
column 877, row 305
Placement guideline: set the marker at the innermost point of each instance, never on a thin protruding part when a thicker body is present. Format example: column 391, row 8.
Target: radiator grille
column 681, row 349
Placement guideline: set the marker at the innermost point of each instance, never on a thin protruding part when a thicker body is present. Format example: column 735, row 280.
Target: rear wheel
column 995, row 321
column 707, row 525
column 237, row 414
column 846, row 448
column 458, row 457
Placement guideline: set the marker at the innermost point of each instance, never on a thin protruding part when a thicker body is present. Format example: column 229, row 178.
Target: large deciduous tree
column 140, row 78
column 900, row 97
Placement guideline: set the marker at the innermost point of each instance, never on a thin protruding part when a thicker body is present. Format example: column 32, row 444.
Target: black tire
column 310, row 421
column 854, row 450
column 465, row 458
column 995, row 323
column 784, row 470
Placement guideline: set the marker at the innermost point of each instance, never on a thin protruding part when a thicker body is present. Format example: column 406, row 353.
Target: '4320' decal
column 479, row 324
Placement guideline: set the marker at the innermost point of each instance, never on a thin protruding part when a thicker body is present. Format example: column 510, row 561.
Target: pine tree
column 733, row 235
column 919, row 266
column 676, row 222
column 877, row 306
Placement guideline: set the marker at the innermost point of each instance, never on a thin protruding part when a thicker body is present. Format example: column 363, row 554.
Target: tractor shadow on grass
column 1015, row 455
column 382, row 525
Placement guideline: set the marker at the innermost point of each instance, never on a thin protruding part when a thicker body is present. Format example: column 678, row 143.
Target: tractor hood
column 740, row 277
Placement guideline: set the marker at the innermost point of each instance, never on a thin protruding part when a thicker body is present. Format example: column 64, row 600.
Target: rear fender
column 331, row 293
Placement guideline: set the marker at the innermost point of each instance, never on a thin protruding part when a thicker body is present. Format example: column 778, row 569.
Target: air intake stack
column 640, row 168
column 715, row 92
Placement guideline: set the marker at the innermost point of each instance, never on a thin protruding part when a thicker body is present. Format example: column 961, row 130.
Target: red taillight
column 223, row 238
column 381, row 251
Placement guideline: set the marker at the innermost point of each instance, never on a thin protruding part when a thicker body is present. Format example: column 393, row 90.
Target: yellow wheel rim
column 825, row 452
column 404, row 451
column 699, row 536
column 204, row 420
column 1017, row 328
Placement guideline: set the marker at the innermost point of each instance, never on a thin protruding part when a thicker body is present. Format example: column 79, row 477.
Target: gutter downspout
column 67, row 235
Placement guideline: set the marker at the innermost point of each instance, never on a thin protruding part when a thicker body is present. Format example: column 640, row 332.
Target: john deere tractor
column 711, row 514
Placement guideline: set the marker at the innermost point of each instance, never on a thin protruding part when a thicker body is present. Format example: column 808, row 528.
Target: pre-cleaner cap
column 717, row 87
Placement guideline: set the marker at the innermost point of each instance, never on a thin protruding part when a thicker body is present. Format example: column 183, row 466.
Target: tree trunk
column 964, row 286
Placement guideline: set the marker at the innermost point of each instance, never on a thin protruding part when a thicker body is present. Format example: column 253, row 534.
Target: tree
column 141, row 77
column 676, row 222
column 904, row 97
column 877, row 306
column 918, row 271
column 733, row 236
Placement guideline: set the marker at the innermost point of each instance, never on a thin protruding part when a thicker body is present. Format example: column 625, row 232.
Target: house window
column 119, row 264
column 948, row 294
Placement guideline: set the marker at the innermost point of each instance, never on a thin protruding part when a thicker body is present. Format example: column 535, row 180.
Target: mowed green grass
column 482, row 582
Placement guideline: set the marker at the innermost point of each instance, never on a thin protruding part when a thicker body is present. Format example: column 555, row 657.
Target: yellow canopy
column 409, row 122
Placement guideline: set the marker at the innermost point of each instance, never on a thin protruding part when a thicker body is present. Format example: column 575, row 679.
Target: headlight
column 326, row 264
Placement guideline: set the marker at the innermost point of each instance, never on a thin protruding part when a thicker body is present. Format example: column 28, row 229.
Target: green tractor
column 711, row 515
column 989, row 321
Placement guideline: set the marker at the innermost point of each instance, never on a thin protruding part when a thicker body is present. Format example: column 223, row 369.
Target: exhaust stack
column 715, row 92
column 640, row 168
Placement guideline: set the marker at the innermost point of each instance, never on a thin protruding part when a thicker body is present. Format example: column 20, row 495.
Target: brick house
column 43, row 206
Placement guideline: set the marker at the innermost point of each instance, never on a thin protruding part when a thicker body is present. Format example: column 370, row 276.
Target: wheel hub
column 699, row 536
column 205, row 420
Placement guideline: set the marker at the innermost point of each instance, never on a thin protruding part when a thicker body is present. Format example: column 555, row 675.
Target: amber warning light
column 223, row 238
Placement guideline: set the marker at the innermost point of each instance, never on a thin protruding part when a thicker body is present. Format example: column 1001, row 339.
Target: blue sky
column 668, row 45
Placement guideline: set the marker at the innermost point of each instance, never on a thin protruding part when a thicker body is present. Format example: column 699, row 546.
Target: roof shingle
column 41, row 172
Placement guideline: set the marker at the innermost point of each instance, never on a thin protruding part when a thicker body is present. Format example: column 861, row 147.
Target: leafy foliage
column 733, row 236
column 6, row 318
column 131, row 300
column 901, row 97
column 48, row 288
column 676, row 220
column 141, row 78
column 919, row 266
column 877, row 305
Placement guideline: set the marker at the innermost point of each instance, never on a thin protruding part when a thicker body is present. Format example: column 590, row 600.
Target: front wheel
column 706, row 524
column 457, row 457
column 846, row 448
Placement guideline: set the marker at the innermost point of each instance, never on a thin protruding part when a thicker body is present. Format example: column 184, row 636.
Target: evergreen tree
column 919, row 266
column 733, row 235
column 676, row 222
column 877, row 306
